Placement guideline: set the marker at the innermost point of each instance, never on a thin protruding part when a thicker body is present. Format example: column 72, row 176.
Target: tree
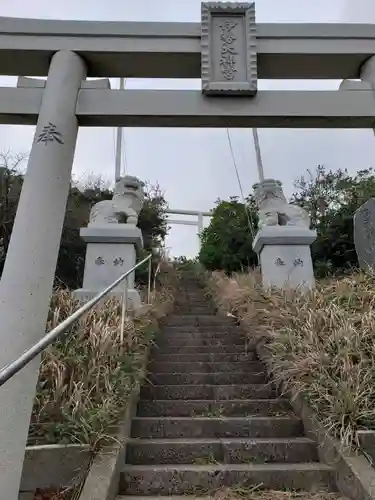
column 227, row 242
column 331, row 198
column 10, row 188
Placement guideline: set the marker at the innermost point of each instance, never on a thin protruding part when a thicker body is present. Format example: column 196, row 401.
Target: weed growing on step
column 87, row 377
column 207, row 460
column 322, row 344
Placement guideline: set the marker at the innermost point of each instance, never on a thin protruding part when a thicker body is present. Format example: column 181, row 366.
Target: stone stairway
column 208, row 418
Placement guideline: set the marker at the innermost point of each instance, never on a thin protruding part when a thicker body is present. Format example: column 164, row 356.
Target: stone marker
column 364, row 234
column 229, row 49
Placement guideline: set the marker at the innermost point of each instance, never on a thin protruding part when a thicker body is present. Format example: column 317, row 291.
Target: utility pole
column 258, row 155
column 119, row 143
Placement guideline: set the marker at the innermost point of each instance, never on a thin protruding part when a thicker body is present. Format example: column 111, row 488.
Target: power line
column 247, row 211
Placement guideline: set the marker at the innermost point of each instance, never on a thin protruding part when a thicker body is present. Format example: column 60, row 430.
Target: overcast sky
column 194, row 167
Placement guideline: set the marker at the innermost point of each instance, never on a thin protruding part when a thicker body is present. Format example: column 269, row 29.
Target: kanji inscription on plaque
column 229, row 52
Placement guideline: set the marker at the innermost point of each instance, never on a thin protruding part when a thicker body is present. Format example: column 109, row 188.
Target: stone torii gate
column 193, row 213
column 228, row 53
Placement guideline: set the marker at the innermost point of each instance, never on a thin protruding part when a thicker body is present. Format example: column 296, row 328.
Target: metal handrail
column 15, row 366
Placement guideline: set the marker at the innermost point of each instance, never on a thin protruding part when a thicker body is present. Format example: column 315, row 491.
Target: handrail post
column 124, row 309
column 154, row 282
column 149, row 282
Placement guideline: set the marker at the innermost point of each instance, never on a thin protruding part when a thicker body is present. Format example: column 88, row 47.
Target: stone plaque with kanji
column 364, row 234
column 229, row 49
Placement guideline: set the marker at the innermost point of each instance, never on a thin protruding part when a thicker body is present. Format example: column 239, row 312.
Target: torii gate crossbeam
column 188, row 108
column 173, row 50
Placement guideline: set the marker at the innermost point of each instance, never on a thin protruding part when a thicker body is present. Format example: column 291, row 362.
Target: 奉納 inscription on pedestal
column 229, row 57
column 364, row 234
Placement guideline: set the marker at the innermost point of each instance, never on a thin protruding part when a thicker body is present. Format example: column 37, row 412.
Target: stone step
column 206, row 326
column 199, row 349
column 215, row 392
column 187, row 316
column 185, row 329
column 199, row 300
column 208, row 427
column 227, row 341
column 206, row 367
column 199, row 308
column 196, row 307
column 201, row 336
column 255, row 495
column 203, row 319
column 168, row 335
column 195, row 294
column 202, row 329
column 194, row 408
column 190, row 479
column 219, row 378
column 199, row 305
column 225, row 451
column 161, row 357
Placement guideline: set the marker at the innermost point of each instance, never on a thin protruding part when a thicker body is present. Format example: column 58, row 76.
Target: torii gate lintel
column 194, row 213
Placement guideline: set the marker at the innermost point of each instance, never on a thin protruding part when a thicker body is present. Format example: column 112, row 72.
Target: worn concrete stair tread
column 323, row 495
column 202, row 349
column 161, row 427
column 221, row 450
column 229, row 407
column 255, row 367
column 201, row 331
column 212, row 378
column 304, row 466
column 170, row 441
column 179, row 479
column 208, row 391
column 203, row 342
column 255, row 418
column 160, row 357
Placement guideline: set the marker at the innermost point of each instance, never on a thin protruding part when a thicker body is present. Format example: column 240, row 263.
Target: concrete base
column 52, row 466
column 285, row 256
column 111, row 251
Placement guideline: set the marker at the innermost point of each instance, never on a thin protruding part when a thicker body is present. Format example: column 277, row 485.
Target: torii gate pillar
column 27, row 279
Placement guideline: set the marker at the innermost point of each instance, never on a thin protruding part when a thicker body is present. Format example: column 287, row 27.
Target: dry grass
column 256, row 494
column 323, row 343
column 87, row 377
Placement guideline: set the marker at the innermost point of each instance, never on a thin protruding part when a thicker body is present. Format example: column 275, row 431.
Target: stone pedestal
column 111, row 251
column 285, row 256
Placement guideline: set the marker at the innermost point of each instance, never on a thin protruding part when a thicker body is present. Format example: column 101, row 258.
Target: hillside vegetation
column 323, row 343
